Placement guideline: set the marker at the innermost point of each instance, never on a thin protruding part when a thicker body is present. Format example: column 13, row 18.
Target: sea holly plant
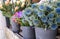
column 46, row 16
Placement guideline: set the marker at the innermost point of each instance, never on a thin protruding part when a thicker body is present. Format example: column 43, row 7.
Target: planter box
column 45, row 34
column 28, row 32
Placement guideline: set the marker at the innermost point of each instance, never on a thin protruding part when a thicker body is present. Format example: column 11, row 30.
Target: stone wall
column 9, row 34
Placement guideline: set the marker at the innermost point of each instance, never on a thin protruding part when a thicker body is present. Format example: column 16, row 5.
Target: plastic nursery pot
column 35, row 1
column 45, row 34
column 28, row 32
column 7, row 21
column 15, row 27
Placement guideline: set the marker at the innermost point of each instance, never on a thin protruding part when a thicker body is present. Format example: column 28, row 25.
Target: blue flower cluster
column 44, row 15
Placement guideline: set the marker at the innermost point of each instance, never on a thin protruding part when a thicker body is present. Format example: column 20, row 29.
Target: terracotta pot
column 35, row 1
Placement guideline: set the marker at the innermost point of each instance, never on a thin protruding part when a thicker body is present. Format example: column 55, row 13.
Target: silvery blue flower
column 30, row 23
column 58, row 19
column 50, row 21
column 32, row 17
column 40, row 14
column 58, row 4
column 35, row 22
column 41, row 7
column 33, row 5
column 54, row 26
column 49, row 1
column 35, row 11
column 44, row 19
column 28, row 11
column 58, row 10
column 24, row 21
column 48, row 8
column 50, row 15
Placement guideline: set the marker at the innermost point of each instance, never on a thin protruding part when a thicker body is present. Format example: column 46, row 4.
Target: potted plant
column 10, row 9
column 28, row 31
column 45, row 18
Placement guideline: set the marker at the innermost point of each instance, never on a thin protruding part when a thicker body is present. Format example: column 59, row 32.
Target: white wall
column 2, row 26
column 2, row 20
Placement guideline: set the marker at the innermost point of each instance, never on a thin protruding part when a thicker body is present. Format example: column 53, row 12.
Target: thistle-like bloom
column 33, row 5
column 50, row 21
column 58, row 10
column 40, row 14
column 24, row 21
column 58, row 19
column 36, row 22
column 44, row 19
column 54, row 26
column 41, row 7
column 36, row 11
column 50, row 15
column 28, row 11
column 31, row 17
column 48, row 9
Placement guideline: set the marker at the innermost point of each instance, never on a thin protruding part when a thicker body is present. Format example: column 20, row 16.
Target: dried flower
column 22, row 5
column 7, row 2
column 18, row 2
column 1, row 6
column 16, row 8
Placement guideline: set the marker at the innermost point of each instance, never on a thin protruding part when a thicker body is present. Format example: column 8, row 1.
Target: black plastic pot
column 15, row 26
column 7, row 21
column 12, row 25
column 28, row 32
column 45, row 34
